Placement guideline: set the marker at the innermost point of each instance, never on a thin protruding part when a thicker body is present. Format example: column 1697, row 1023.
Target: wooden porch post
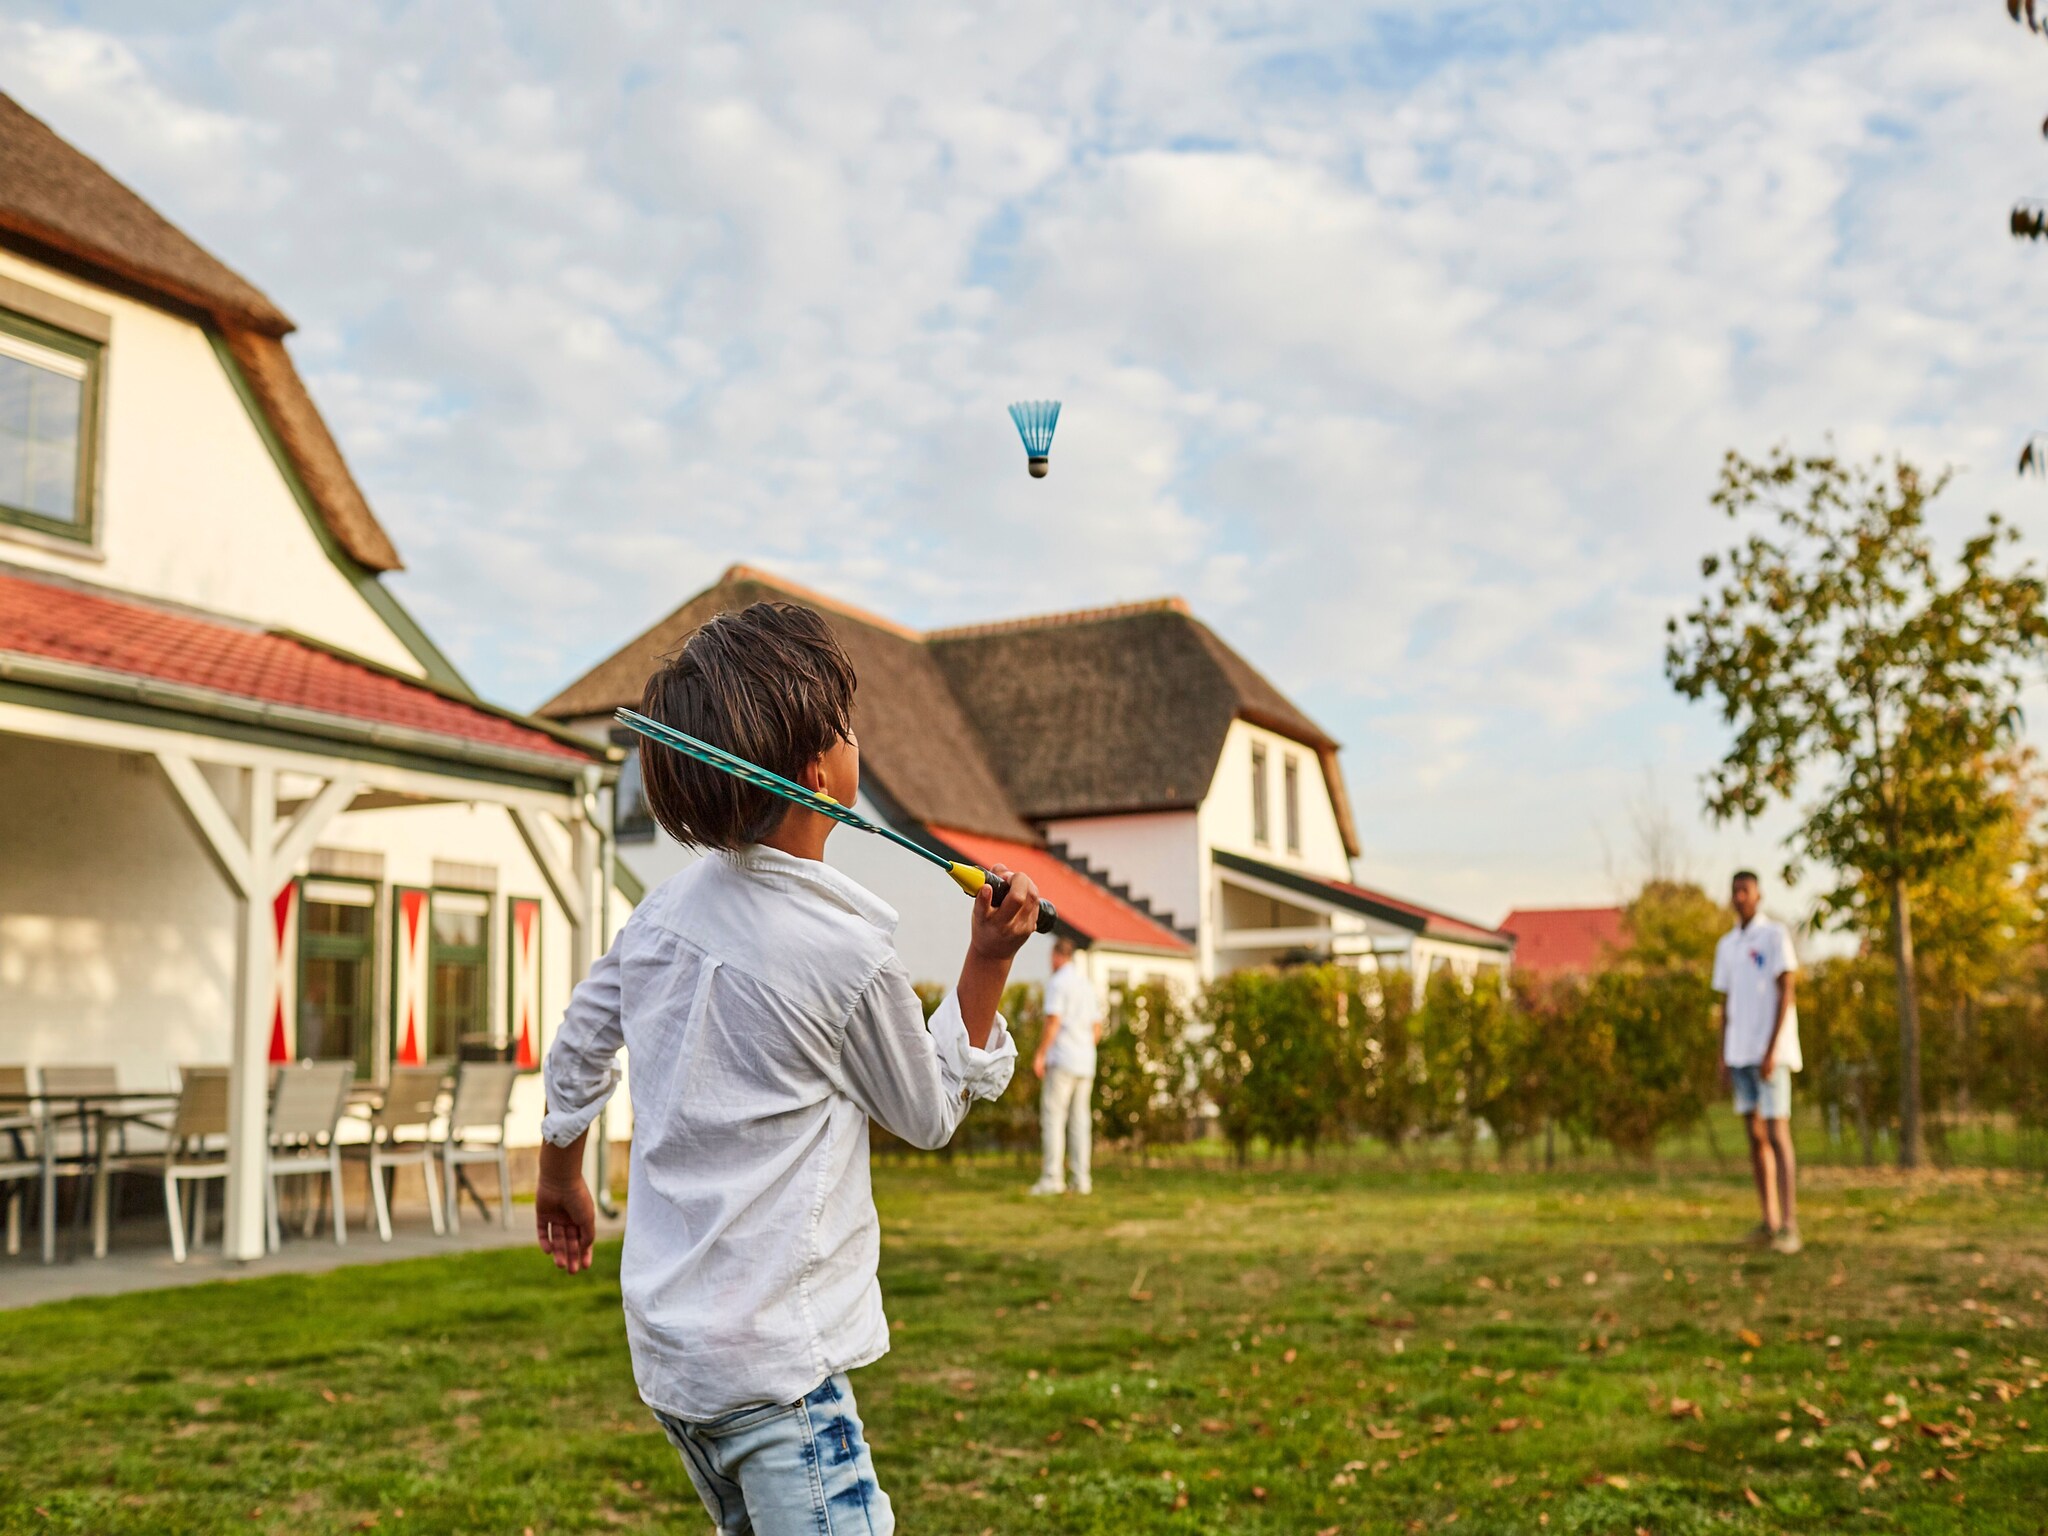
column 257, row 857
column 242, row 1224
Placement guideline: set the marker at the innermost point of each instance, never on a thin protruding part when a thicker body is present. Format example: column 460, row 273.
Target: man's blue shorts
column 1768, row 1097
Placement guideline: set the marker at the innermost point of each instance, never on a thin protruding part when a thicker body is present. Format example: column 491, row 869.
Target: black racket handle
column 999, row 888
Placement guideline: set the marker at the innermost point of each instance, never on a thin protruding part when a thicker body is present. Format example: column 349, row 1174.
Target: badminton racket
column 969, row 877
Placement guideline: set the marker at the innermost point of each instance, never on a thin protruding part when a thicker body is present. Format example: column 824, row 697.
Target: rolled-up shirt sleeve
column 583, row 1064
column 916, row 1079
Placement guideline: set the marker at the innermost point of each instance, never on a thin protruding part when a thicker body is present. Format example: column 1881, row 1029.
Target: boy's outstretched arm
column 916, row 1079
column 582, row 1070
column 992, row 943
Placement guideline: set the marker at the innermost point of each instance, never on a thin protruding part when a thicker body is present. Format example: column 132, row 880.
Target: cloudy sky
column 1403, row 338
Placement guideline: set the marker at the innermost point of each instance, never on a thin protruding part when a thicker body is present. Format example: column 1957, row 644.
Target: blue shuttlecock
column 1035, row 420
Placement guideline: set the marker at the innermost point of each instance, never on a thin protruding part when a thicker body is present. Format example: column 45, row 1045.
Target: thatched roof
column 991, row 728
column 916, row 745
column 1115, row 709
column 61, row 207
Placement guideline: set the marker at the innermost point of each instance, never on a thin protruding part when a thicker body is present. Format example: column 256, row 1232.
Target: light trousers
column 1065, row 1124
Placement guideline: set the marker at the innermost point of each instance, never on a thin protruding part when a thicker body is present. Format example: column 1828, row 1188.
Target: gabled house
column 1186, row 818
column 249, row 814
column 1554, row 941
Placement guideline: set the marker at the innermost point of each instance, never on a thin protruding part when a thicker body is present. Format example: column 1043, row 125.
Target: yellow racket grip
column 972, row 877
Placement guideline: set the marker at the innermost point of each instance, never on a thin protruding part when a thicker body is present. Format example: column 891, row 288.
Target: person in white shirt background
column 1066, row 1064
column 1754, row 967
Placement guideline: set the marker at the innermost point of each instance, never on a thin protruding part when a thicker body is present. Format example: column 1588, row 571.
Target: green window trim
column 471, row 957
column 316, row 947
column 83, row 527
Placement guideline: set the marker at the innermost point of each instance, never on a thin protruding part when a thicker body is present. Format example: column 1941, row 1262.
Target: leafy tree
column 1672, row 922
column 1849, row 662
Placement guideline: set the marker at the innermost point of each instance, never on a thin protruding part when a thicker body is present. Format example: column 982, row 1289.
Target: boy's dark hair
column 1746, row 874
column 770, row 684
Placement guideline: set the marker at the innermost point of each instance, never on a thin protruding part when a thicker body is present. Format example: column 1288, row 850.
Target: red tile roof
column 87, row 627
column 1551, row 939
column 1096, row 913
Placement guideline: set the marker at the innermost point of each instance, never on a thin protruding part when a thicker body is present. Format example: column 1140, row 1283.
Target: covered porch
column 179, row 796
column 1269, row 915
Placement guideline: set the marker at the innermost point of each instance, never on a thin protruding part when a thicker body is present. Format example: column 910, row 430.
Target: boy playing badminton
column 768, row 1020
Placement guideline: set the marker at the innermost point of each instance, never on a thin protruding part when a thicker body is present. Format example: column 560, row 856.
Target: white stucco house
column 248, row 813
column 1182, row 814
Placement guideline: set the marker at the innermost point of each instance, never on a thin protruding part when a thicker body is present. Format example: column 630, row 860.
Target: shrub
column 1382, row 1082
column 1144, row 1070
column 1274, row 1060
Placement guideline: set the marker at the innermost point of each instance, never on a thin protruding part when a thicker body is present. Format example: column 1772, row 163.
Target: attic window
column 1293, row 777
column 49, row 407
column 1262, row 833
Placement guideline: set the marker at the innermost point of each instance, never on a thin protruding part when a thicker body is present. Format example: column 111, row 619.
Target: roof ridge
column 1171, row 604
column 741, row 571
column 261, row 315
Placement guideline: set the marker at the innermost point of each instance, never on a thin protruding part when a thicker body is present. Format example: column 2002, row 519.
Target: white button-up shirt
column 1747, row 965
column 1070, row 998
column 767, row 1018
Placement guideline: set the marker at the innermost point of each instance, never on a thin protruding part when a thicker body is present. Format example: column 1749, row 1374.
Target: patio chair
column 306, row 1105
column 24, row 1155
column 412, row 1099
column 185, row 1157
column 70, row 1139
column 483, row 1099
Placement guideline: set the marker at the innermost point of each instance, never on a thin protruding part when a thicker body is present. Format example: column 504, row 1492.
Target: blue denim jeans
column 786, row 1469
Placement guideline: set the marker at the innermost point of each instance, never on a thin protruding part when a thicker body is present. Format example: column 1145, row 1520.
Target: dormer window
column 1292, row 773
column 1261, row 822
column 49, row 410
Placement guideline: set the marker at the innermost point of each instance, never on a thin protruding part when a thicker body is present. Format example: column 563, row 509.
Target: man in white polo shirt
column 1066, row 1064
column 1754, row 968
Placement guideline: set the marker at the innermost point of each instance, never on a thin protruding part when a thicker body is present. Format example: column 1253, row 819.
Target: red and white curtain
column 284, row 988
column 523, row 916
column 410, row 989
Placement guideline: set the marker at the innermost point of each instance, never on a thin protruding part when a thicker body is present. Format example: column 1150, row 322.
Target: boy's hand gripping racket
column 969, row 877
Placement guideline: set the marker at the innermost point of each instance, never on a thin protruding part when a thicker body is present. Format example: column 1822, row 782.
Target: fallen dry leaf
column 1749, row 1338
column 1750, row 1494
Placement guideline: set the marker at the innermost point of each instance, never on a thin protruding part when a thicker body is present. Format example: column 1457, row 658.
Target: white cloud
column 1405, row 339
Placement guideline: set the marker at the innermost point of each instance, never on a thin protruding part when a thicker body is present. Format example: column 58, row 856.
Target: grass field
column 1193, row 1350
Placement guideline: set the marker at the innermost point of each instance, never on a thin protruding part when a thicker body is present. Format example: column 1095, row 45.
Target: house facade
column 248, row 813
column 1184, row 816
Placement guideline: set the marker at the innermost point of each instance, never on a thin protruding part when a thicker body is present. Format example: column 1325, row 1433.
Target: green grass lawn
column 1196, row 1349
